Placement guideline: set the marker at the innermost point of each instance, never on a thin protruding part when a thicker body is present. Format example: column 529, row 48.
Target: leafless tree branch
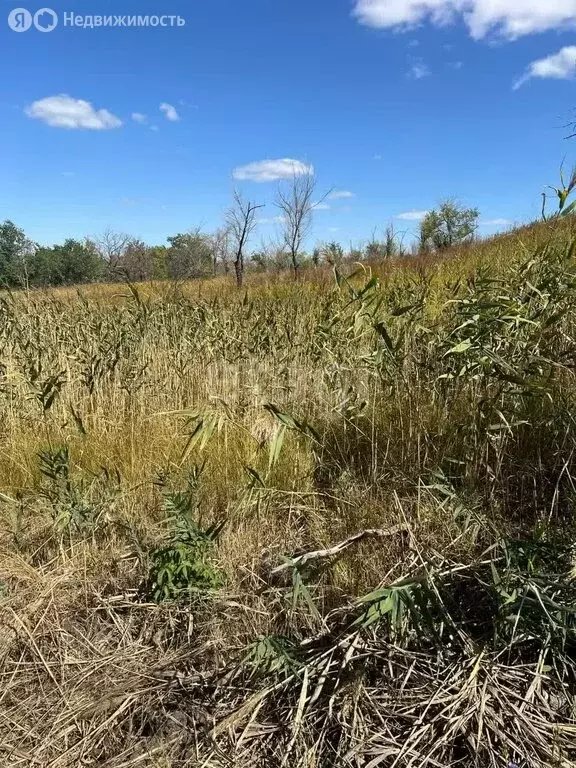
column 296, row 203
column 241, row 222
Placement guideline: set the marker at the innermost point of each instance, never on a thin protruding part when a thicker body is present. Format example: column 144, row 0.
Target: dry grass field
column 175, row 457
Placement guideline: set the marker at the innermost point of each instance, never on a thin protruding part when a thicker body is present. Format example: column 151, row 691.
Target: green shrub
column 185, row 564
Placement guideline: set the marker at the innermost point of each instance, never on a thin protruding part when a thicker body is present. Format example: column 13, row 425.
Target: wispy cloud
column 509, row 19
column 63, row 111
column 412, row 215
column 559, row 66
column 67, row 173
column 340, row 194
column 169, row 112
column 418, row 70
column 272, row 220
column 138, row 117
column 496, row 223
column 321, row 206
column 272, row 170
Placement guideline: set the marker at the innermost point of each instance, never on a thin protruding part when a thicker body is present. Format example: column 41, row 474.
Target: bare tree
column 221, row 249
column 241, row 222
column 112, row 245
column 296, row 204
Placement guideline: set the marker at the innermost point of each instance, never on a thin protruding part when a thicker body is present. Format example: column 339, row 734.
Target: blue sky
column 398, row 103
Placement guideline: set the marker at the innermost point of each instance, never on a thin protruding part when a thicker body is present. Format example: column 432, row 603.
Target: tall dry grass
column 175, row 436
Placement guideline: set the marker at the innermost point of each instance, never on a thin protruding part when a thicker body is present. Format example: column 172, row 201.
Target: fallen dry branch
column 337, row 549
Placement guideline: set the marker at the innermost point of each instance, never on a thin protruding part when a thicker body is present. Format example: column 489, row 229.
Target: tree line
column 197, row 254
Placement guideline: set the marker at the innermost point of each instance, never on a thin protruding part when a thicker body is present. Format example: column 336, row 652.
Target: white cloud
column 508, row 18
column 340, row 194
column 496, row 223
column 169, row 112
column 272, row 170
column 321, row 206
column 154, row 128
column 412, row 215
column 418, row 70
column 561, row 66
column 67, row 173
column 138, row 117
column 271, row 220
column 63, row 111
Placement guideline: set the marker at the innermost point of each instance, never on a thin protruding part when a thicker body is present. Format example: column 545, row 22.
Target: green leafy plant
column 535, row 594
column 271, row 655
column 72, row 508
column 562, row 193
column 185, row 564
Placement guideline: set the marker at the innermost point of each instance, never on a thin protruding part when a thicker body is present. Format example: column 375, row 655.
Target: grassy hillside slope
column 317, row 524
